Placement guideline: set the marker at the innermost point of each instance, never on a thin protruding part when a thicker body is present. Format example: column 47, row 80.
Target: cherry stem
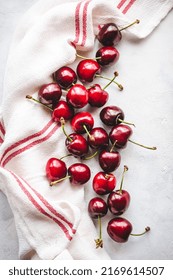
column 60, row 180
column 129, row 123
column 87, row 131
column 111, row 80
column 39, row 102
column 143, row 146
column 125, row 27
column 93, row 155
column 139, row 234
column 68, row 155
column 99, row 241
column 63, row 129
column 113, row 146
column 84, row 57
column 122, row 179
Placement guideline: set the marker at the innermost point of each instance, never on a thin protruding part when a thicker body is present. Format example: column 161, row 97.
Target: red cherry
column 63, row 110
column 97, row 96
column 55, row 169
column 98, row 138
column 65, row 77
column 87, row 69
column 111, row 115
column 82, row 122
column 79, row 173
column 119, row 229
column 77, row 96
column 104, row 183
column 109, row 35
column 118, row 201
column 107, row 55
column 49, row 93
column 120, row 134
column 97, row 207
column 77, row 144
column 109, row 160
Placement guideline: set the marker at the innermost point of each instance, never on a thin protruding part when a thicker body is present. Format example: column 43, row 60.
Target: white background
column 146, row 71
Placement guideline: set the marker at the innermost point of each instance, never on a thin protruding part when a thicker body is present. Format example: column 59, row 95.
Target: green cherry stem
column 139, row 234
column 129, row 123
column 143, row 146
column 111, row 80
column 62, row 121
column 60, row 180
column 137, row 21
column 99, row 241
column 87, row 132
column 84, row 57
column 68, row 155
column 92, row 156
column 122, row 179
column 39, row 102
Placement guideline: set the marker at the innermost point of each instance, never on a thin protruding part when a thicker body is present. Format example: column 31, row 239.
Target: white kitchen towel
column 52, row 223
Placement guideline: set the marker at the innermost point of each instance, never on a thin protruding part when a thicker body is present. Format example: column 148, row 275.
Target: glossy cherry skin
column 80, row 120
column 77, row 96
column 111, row 115
column 107, row 55
column 63, row 110
column 97, row 97
column 78, row 146
column 55, row 169
column 49, row 93
column 109, row 161
column 109, row 35
column 97, row 207
column 120, row 134
column 65, row 77
column 79, row 173
column 119, row 229
column 104, row 183
column 87, row 69
column 118, row 202
column 98, row 138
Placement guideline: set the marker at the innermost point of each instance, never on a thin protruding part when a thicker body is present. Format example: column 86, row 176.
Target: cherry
column 107, row 55
column 110, row 34
column 104, row 183
column 118, row 201
column 82, row 122
column 119, row 135
column 76, row 144
column 98, row 138
column 87, row 69
column 112, row 115
column 49, row 93
column 62, row 111
column 55, row 169
column 109, row 160
column 65, row 77
column 77, row 96
column 78, row 174
column 97, row 209
column 97, row 96
column 119, row 229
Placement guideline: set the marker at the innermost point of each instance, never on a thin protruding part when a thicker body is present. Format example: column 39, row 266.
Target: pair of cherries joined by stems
column 98, row 139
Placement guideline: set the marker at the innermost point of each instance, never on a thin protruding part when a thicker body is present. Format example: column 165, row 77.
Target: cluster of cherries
column 98, row 139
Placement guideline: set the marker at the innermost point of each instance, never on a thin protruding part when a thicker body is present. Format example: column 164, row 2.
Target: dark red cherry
column 65, row 77
column 49, row 93
column 55, row 169
column 119, row 135
column 118, row 201
column 109, row 160
column 82, row 122
column 77, row 144
column 119, row 229
column 87, row 70
column 98, row 138
column 97, row 207
column 104, row 183
column 63, row 110
column 109, row 35
column 77, row 96
column 79, row 173
column 107, row 55
column 97, row 97
column 111, row 115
